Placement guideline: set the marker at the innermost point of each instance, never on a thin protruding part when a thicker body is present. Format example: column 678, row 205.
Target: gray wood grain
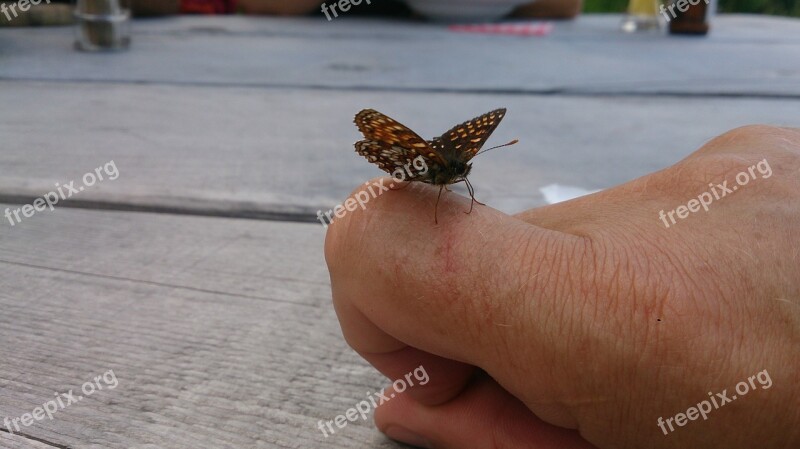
column 9, row 441
column 255, row 152
column 743, row 55
column 219, row 331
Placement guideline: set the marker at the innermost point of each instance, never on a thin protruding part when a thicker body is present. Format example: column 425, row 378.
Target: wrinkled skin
column 580, row 324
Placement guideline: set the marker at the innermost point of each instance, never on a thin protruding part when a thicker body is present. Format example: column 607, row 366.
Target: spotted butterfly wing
column 464, row 141
column 389, row 144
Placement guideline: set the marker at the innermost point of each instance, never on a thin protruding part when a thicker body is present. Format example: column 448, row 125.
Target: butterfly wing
column 389, row 144
column 465, row 140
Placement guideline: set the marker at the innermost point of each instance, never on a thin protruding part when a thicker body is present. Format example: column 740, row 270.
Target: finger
column 483, row 289
column 427, row 378
column 484, row 416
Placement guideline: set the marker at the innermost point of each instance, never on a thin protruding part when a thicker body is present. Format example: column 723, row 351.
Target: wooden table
column 197, row 276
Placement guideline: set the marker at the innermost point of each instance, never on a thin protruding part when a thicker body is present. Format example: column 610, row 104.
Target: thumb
column 483, row 416
column 485, row 289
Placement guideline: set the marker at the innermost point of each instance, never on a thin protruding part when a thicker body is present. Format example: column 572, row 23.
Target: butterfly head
column 454, row 171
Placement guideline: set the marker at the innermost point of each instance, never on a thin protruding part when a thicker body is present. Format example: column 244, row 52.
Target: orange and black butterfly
column 395, row 149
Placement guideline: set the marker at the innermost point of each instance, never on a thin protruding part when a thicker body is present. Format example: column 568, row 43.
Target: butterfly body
column 393, row 147
column 451, row 172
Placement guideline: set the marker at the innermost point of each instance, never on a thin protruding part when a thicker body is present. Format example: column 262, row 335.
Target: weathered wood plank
column 589, row 55
column 164, row 251
column 256, row 152
column 9, row 441
column 219, row 331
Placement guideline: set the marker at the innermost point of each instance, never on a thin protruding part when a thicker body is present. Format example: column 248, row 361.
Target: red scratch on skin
column 448, row 268
column 447, row 255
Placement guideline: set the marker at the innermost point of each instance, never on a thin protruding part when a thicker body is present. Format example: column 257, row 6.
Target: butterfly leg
column 472, row 192
column 472, row 196
column 436, row 209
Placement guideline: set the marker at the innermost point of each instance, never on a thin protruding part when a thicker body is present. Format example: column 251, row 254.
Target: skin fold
column 581, row 324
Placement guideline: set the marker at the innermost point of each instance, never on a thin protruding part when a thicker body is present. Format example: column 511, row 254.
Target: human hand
column 592, row 318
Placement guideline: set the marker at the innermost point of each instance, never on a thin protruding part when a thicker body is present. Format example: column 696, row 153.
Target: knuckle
column 756, row 137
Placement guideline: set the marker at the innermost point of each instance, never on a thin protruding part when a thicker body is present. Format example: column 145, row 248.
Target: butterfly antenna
column 436, row 209
column 515, row 141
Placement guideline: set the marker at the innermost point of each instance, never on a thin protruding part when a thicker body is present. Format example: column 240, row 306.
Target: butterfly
column 441, row 161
